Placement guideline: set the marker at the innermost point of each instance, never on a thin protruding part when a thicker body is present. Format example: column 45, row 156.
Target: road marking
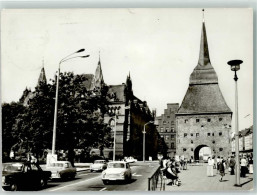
column 102, row 189
column 73, row 184
column 135, row 174
column 83, row 174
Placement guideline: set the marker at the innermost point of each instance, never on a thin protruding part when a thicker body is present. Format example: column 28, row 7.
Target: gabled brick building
column 166, row 126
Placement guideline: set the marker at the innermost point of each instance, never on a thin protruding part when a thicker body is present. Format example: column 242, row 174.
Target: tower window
column 184, row 149
column 220, row 119
column 212, row 134
column 172, row 136
column 208, row 134
column 172, row 145
column 220, row 149
column 166, row 137
column 208, row 120
column 220, row 133
column 197, row 134
column 197, row 120
column 192, row 134
column 192, row 149
column 164, row 122
column 192, row 141
column 186, row 121
column 213, row 142
column 161, row 129
column 185, row 134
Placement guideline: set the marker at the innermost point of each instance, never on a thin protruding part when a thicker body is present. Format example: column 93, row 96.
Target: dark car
column 23, row 176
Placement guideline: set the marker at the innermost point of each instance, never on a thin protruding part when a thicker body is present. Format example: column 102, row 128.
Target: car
column 117, row 171
column 18, row 176
column 98, row 165
column 61, row 170
column 130, row 159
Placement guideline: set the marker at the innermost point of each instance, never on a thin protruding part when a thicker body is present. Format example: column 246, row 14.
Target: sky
column 158, row 47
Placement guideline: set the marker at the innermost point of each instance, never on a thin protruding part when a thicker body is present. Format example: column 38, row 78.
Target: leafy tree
column 79, row 119
column 10, row 132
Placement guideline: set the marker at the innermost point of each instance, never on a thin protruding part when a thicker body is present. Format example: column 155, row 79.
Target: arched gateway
column 201, row 154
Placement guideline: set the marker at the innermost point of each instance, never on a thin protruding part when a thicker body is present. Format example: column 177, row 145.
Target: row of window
column 192, row 149
column 193, row 141
column 164, row 122
column 172, row 129
column 197, row 134
column 171, row 136
column 198, row 120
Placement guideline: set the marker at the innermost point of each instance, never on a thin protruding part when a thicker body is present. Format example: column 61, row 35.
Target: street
column 87, row 181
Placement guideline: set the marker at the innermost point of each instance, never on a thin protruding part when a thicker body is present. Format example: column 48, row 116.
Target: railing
column 155, row 180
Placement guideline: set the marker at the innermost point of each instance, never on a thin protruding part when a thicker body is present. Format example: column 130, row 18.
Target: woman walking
column 210, row 167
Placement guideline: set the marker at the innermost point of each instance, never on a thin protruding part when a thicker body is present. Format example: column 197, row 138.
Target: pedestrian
column 172, row 174
column 232, row 164
column 243, row 165
column 217, row 162
column 221, row 169
column 210, row 167
column 251, row 165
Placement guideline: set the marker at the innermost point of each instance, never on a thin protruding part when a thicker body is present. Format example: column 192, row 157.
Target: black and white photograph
column 127, row 99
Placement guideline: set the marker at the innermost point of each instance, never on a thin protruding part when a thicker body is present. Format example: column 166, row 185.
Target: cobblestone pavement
column 195, row 179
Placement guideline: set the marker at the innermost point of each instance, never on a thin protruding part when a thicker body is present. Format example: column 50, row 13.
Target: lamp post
column 56, row 95
column 114, row 135
column 235, row 66
column 144, row 132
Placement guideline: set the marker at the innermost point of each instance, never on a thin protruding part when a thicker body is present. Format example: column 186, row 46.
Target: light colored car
column 117, row 170
column 61, row 169
column 130, row 159
column 98, row 165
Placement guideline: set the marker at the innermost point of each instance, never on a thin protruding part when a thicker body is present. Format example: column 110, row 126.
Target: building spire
column 99, row 61
column 42, row 75
column 203, row 72
column 204, row 58
column 99, row 79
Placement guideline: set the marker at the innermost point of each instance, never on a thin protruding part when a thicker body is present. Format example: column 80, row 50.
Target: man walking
column 232, row 164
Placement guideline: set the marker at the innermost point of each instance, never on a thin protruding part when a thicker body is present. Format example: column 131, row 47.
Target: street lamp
column 114, row 135
column 235, row 66
column 56, row 95
column 144, row 132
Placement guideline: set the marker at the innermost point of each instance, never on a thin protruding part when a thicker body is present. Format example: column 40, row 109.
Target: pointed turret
column 42, row 76
column 99, row 79
column 203, row 72
column 203, row 94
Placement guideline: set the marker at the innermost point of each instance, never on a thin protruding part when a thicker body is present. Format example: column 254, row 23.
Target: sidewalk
column 195, row 179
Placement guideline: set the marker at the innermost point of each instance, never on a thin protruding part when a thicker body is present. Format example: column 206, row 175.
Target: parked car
column 117, row 170
column 98, row 165
column 130, row 159
column 61, row 169
column 23, row 175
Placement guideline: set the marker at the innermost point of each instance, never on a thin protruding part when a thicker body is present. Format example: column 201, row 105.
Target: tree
column 10, row 132
column 80, row 114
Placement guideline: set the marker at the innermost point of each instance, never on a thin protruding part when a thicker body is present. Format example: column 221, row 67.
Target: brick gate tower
column 203, row 119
